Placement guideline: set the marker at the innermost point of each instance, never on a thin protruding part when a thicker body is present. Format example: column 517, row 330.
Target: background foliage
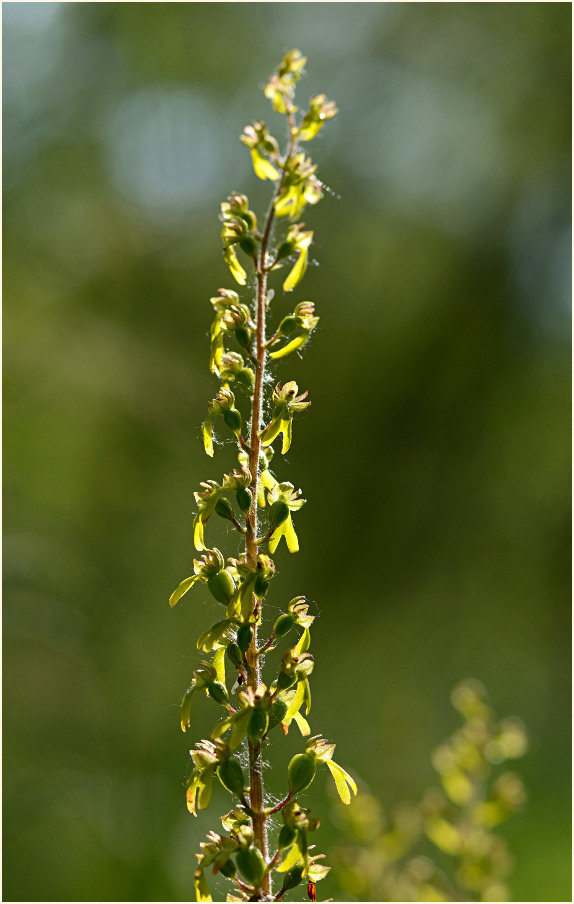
column 437, row 457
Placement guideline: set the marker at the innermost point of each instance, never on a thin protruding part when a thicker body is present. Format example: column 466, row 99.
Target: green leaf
column 251, row 865
column 343, row 781
column 182, row 589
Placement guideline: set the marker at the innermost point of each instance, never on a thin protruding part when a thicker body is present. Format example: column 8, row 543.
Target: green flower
column 301, row 321
column 226, row 299
column 300, row 187
column 209, row 496
column 296, row 241
column 262, row 146
column 239, row 227
column 206, row 758
column 222, row 405
column 281, row 85
column 324, row 753
column 208, row 570
column 232, row 368
column 320, row 111
column 287, row 403
column 254, row 580
column 284, row 499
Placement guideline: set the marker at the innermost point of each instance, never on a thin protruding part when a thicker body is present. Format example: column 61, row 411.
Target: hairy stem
column 255, row 763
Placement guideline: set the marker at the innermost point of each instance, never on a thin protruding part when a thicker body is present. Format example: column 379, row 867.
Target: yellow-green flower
column 300, row 187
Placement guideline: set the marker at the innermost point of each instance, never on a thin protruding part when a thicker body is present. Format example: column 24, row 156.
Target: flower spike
column 252, row 501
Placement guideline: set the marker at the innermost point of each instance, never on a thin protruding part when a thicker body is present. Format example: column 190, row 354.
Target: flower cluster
column 259, row 508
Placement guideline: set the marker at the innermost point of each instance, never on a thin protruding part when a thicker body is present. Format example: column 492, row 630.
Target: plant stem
column 255, row 763
column 259, row 817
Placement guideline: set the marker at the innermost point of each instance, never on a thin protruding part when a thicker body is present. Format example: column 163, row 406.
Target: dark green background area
column 435, row 457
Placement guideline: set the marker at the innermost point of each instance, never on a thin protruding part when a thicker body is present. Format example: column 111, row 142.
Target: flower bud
column 231, row 776
column 246, row 377
column 257, row 725
column 244, row 834
column 284, row 681
column 278, row 711
column 228, row 869
column 221, row 586
column 250, row 219
column 283, row 624
column 305, row 665
column 261, row 586
column 278, row 513
column 243, row 336
column 251, row 865
column 233, row 419
column 292, row 878
column 287, row 836
column 234, row 655
column 223, row 509
column 218, row 692
column 301, row 771
column 244, row 498
column 248, row 244
column 289, row 324
column 244, row 637
column 265, row 571
column 223, row 401
column 284, row 250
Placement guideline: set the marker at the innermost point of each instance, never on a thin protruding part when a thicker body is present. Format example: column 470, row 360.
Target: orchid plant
column 251, row 849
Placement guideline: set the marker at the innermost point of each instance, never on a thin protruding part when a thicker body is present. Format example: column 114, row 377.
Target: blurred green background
column 436, row 456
